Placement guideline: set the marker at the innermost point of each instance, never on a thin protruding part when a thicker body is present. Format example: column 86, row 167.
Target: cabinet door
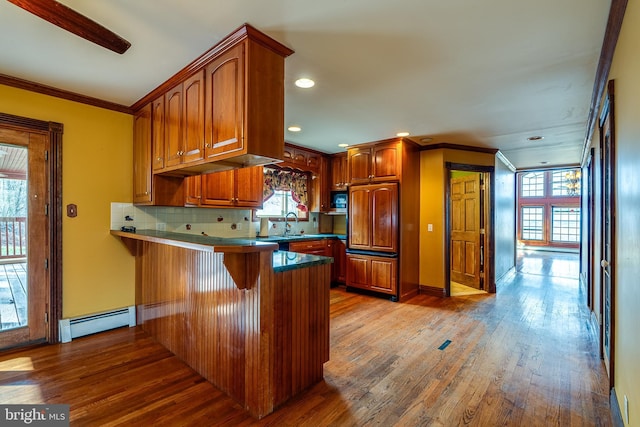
column 339, row 172
column 385, row 162
column 218, row 188
column 359, row 165
column 313, row 161
column 249, row 184
column 299, row 158
column 358, row 270
column 384, row 275
column 157, row 133
column 384, row 217
column 142, row 156
column 193, row 126
column 225, row 103
column 193, row 190
column 359, row 217
column 173, row 127
column 340, row 260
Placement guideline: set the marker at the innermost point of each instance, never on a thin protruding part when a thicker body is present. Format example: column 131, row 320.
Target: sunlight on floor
column 16, row 364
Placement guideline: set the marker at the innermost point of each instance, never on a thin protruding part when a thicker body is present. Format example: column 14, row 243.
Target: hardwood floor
column 522, row 357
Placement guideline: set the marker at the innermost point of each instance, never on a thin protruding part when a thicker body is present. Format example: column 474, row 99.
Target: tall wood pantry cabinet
column 384, row 214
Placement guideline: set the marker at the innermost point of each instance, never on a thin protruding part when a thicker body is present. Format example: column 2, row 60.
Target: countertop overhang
column 281, row 261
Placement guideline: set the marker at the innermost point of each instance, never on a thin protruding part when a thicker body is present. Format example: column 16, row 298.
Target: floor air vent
column 87, row 325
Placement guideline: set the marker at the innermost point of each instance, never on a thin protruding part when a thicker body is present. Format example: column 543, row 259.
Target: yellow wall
column 98, row 272
column 626, row 74
column 432, row 208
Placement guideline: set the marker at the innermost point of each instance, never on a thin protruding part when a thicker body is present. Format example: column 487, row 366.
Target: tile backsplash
column 213, row 222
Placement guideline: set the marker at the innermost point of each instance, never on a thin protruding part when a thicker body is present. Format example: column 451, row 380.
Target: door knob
column 604, row 263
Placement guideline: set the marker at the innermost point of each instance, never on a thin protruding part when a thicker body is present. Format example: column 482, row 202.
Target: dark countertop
column 286, row 261
column 282, row 260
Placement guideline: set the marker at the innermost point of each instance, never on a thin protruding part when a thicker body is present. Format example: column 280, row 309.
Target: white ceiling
column 484, row 73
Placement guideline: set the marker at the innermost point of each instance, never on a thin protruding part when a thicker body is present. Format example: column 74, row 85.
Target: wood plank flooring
column 522, row 357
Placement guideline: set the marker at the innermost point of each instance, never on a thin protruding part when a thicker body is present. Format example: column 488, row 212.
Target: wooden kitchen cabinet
column 373, row 217
column 339, row 175
column 225, row 103
column 192, row 190
column 320, row 197
column 340, row 260
column 374, row 163
column 157, row 134
column 313, row 247
column 149, row 189
column 142, row 155
column 224, row 110
column 322, row 247
column 300, row 158
column 372, row 273
column 384, row 215
column 184, row 122
column 238, row 188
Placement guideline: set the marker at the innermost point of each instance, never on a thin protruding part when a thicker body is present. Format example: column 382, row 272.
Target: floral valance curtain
column 285, row 180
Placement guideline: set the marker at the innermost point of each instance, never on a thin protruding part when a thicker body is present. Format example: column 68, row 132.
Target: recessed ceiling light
column 294, row 128
column 403, row 134
column 544, row 163
column 426, row 139
column 535, row 138
column 305, row 83
column 343, row 145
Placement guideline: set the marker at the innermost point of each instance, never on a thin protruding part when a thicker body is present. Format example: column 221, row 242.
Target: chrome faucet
column 287, row 227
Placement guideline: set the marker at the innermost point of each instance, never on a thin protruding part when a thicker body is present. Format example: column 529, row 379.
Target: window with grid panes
column 565, row 224
column 549, row 207
column 532, row 222
column 532, row 184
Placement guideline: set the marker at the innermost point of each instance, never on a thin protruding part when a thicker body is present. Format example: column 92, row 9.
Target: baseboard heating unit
column 87, row 325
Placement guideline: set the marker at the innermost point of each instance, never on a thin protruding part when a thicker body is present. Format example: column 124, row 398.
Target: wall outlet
column 626, row 408
column 161, row 226
column 429, row 227
column 239, row 225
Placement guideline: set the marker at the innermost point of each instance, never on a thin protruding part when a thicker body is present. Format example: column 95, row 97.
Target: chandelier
column 572, row 182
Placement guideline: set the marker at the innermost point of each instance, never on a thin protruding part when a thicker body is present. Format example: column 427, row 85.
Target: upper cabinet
column 223, row 111
column 339, row 169
column 141, row 158
column 300, row 158
column 184, row 123
column 149, row 189
column 375, row 163
column 225, row 104
column 239, row 188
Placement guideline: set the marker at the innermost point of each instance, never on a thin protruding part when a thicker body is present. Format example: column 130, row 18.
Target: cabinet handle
column 207, row 145
column 159, row 159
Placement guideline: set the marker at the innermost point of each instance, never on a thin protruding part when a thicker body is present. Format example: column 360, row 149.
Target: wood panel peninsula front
column 251, row 320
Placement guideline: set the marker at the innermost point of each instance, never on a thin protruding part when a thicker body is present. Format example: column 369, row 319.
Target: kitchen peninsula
column 252, row 320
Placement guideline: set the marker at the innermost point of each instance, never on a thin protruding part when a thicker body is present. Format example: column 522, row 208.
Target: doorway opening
column 30, row 231
column 469, row 203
